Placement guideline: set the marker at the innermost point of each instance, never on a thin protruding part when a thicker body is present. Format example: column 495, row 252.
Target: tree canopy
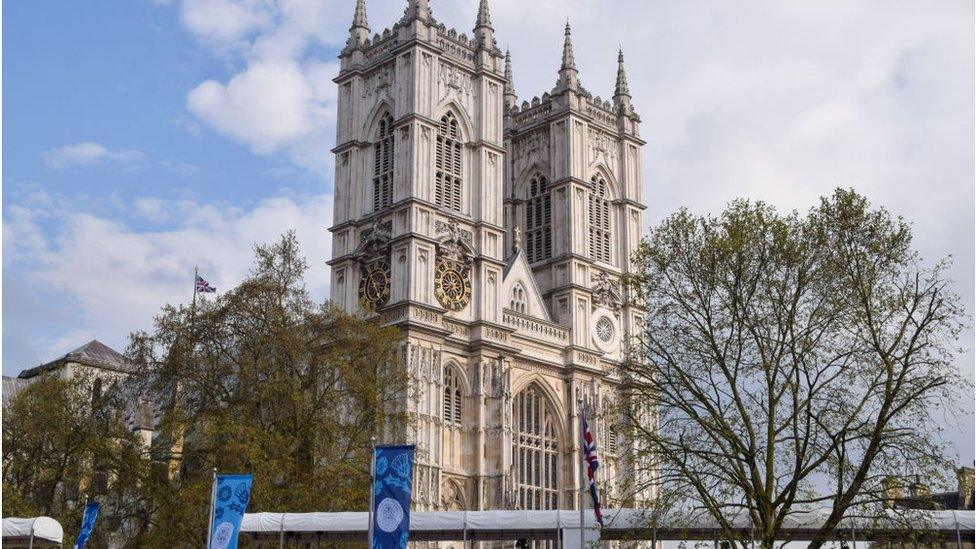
column 260, row 379
column 790, row 361
column 60, row 442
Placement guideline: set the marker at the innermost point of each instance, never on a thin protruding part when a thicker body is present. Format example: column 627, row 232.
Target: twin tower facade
column 496, row 235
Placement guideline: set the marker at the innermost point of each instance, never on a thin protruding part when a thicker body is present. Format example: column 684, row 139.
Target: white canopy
column 620, row 523
column 799, row 525
column 45, row 531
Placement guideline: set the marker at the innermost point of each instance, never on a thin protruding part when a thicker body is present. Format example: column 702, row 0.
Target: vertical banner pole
column 559, row 537
column 559, row 506
column 958, row 533
column 372, row 491
column 213, row 484
column 582, row 477
column 281, row 533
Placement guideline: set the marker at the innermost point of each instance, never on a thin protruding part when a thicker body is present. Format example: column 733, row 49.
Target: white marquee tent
column 32, row 532
column 620, row 524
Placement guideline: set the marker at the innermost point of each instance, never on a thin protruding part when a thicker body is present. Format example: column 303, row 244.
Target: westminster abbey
column 496, row 234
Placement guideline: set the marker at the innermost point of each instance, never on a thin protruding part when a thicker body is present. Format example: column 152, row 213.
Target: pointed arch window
column 535, row 451
column 538, row 220
column 453, row 402
column 447, row 162
column 611, row 445
column 518, row 303
column 599, row 219
column 383, row 151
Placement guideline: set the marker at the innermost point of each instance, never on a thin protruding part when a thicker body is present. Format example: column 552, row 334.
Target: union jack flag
column 203, row 286
column 592, row 463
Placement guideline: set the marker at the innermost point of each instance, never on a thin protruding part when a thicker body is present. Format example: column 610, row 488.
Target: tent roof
column 45, row 529
column 620, row 524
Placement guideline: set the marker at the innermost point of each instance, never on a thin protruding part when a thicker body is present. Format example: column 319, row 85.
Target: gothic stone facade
column 496, row 236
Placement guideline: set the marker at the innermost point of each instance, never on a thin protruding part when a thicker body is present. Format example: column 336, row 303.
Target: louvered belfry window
column 599, row 218
column 453, row 403
column 535, row 451
column 383, row 165
column 447, row 161
column 538, row 220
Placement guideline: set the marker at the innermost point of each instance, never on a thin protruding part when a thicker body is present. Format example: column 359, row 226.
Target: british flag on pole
column 204, row 287
column 592, row 463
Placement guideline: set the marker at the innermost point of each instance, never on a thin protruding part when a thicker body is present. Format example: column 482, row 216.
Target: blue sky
column 115, row 75
column 143, row 137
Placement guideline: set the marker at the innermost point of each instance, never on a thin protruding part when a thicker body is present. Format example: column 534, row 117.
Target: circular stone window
column 604, row 329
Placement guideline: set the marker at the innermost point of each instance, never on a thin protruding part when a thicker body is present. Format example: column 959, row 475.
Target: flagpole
column 193, row 304
column 213, row 489
column 84, row 511
column 582, row 500
column 372, row 491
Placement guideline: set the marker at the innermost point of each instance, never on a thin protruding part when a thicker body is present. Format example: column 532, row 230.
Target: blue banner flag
column 231, row 494
column 393, row 474
column 87, row 524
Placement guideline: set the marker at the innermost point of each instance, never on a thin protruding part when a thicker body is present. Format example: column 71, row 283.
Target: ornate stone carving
column 378, row 234
column 452, row 228
column 606, row 292
column 602, row 147
column 379, row 84
column 531, row 149
column 452, row 495
column 455, row 82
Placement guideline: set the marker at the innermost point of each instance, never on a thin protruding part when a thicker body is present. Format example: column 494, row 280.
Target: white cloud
column 88, row 154
column 224, row 20
column 265, row 106
column 152, row 209
column 283, row 97
column 116, row 277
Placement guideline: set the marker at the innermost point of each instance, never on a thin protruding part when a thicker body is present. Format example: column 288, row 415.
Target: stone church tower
column 496, row 236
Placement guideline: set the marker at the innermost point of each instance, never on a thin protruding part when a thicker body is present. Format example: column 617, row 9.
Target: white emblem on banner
column 221, row 536
column 389, row 515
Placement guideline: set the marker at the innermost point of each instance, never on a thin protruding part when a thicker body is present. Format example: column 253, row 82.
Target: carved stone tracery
column 606, row 291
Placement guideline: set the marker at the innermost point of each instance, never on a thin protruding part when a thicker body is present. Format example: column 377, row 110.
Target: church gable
column 519, row 290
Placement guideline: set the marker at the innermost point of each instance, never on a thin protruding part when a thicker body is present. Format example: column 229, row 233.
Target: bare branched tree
column 791, row 362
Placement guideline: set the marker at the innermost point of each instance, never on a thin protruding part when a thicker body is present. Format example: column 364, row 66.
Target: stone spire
column 416, row 9
column 483, row 31
column 621, row 92
column 509, row 92
column 568, row 76
column 359, row 31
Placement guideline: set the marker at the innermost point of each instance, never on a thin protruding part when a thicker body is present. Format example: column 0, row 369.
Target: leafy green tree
column 61, row 443
column 263, row 380
column 790, row 362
